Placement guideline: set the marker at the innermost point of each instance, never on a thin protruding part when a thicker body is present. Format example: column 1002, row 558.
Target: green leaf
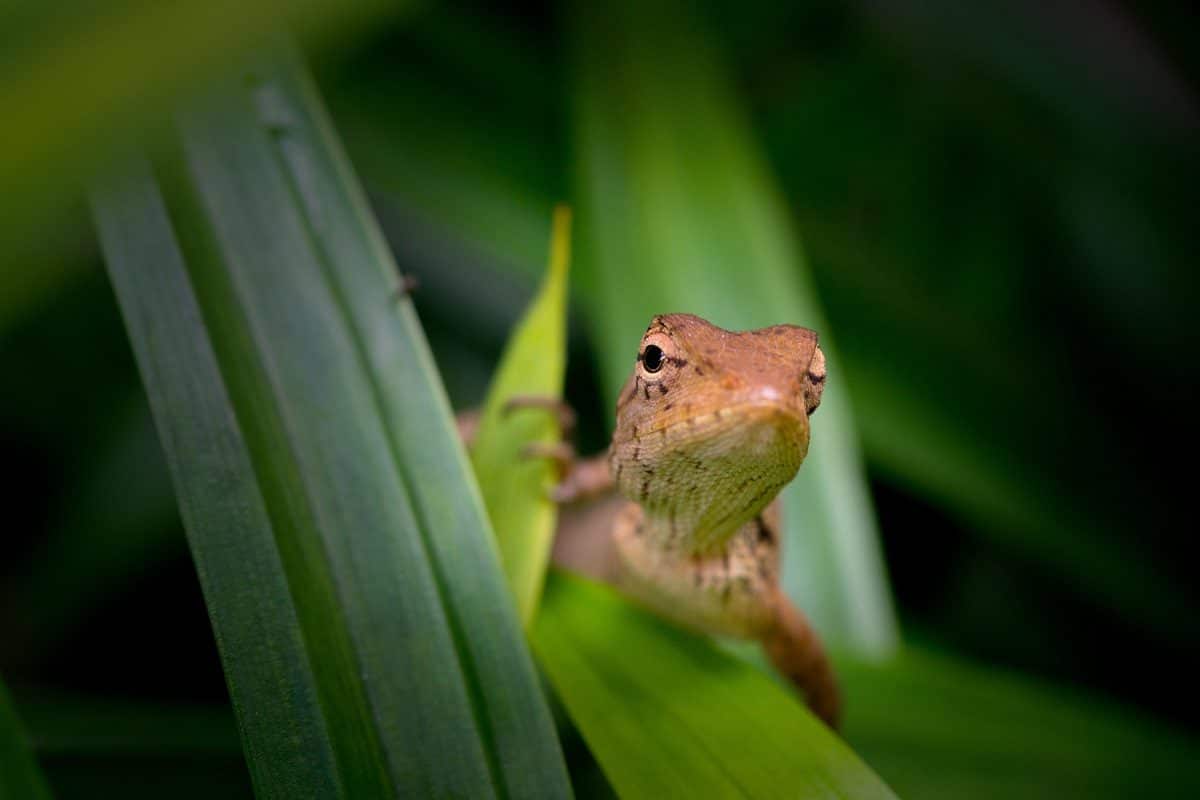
column 368, row 640
column 515, row 487
column 667, row 714
column 679, row 212
column 20, row 775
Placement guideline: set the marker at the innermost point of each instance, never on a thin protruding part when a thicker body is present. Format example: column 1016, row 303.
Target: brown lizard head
column 713, row 423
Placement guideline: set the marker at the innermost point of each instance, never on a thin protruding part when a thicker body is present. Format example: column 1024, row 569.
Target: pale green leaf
column 515, row 486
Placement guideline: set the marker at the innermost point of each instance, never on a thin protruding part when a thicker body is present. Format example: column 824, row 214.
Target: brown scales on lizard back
column 710, row 426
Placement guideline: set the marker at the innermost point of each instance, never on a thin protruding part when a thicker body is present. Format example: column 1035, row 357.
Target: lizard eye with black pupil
column 652, row 358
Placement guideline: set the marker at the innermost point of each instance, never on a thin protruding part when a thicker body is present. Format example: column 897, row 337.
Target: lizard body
column 710, row 426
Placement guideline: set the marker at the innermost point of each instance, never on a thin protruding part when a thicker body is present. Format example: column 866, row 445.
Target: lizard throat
column 700, row 482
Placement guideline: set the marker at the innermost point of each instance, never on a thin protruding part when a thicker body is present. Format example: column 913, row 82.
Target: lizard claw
column 579, row 480
column 563, row 456
column 561, row 453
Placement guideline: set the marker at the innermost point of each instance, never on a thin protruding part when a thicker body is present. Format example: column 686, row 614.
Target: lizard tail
column 796, row 651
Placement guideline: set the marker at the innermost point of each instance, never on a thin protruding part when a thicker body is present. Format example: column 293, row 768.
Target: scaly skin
column 710, row 426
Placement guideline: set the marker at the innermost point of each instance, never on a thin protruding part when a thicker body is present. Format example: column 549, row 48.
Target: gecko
column 710, row 426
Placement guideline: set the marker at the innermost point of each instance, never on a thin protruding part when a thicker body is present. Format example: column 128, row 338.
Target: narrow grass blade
column 20, row 775
column 369, row 642
column 678, row 212
column 515, row 486
column 667, row 714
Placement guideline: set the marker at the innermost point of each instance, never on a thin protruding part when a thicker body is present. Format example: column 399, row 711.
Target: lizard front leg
column 587, row 503
column 580, row 479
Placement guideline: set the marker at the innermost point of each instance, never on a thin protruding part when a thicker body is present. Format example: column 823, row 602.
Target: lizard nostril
column 815, row 381
column 770, row 394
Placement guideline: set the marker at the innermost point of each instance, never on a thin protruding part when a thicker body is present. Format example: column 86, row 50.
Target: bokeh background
column 997, row 206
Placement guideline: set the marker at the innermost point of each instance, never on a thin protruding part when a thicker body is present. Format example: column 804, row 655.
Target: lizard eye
column 652, row 358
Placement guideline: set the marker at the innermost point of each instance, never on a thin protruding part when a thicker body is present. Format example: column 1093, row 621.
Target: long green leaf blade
column 678, row 212
column 20, row 775
column 422, row 683
column 516, row 487
column 229, row 530
column 667, row 714
column 510, row 710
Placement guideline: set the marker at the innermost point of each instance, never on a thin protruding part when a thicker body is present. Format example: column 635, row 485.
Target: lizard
column 682, row 512
column 710, row 426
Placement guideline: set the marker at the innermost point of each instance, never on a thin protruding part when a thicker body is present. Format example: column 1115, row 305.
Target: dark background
column 998, row 206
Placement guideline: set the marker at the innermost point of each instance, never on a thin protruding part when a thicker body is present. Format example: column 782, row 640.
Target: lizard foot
column 580, row 480
column 467, row 422
column 561, row 453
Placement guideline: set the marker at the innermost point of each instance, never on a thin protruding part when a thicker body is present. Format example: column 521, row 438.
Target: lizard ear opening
column 815, row 381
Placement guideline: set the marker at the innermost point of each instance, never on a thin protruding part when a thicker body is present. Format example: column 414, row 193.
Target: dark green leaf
column 368, row 639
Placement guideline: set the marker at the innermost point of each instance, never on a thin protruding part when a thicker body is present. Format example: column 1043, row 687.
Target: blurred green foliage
column 20, row 775
column 86, row 78
column 996, row 204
